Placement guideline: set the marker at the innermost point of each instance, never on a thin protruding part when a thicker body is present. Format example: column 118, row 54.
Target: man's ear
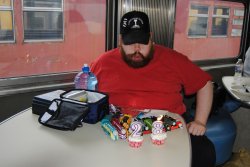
column 120, row 40
column 151, row 36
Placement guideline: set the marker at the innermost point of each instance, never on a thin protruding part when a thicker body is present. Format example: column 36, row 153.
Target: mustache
column 135, row 53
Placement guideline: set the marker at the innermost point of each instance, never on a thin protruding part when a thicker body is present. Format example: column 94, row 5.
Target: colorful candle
column 136, row 129
column 157, row 127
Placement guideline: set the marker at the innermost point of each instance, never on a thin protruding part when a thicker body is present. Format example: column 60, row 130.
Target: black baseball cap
column 135, row 28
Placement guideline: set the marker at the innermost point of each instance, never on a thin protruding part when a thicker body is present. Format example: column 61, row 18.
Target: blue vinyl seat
column 221, row 130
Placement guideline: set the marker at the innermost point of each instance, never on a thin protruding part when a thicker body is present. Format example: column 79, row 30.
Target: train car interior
column 44, row 44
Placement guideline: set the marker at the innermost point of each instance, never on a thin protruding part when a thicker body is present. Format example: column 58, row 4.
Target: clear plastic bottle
column 238, row 71
column 238, row 68
column 81, row 79
column 86, row 79
column 92, row 81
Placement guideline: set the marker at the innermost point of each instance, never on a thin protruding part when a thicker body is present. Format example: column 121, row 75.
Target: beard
column 141, row 60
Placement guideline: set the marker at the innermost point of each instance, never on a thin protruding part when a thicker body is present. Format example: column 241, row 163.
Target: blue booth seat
column 221, row 130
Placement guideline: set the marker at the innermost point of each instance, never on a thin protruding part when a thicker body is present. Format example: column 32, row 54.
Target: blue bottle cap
column 85, row 68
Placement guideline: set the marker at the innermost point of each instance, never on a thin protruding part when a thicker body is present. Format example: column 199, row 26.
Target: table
column 238, row 91
column 26, row 143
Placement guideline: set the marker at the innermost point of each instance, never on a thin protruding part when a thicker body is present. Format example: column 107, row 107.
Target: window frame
column 199, row 15
column 44, row 9
column 220, row 16
column 11, row 9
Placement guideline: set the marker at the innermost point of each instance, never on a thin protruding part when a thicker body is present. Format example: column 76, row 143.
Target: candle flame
column 160, row 118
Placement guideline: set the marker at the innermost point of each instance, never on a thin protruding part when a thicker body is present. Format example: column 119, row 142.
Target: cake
column 158, row 135
column 158, row 139
column 135, row 142
column 135, row 139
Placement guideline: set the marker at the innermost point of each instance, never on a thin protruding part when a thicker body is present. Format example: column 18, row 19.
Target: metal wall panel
column 161, row 16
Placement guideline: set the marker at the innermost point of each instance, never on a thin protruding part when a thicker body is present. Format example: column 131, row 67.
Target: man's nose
column 137, row 47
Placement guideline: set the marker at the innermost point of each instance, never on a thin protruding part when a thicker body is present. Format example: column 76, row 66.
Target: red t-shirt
column 155, row 86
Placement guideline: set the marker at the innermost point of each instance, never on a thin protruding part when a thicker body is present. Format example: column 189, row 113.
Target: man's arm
column 204, row 99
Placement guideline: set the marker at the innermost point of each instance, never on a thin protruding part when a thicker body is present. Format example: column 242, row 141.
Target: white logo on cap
column 125, row 22
column 136, row 22
column 135, row 26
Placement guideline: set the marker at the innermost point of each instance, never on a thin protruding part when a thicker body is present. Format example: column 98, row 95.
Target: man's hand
column 196, row 128
column 203, row 107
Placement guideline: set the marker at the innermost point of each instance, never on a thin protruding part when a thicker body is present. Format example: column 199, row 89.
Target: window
column 239, row 12
column 203, row 27
column 43, row 20
column 197, row 22
column 237, row 22
column 220, row 21
column 6, row 21
column 236, row 32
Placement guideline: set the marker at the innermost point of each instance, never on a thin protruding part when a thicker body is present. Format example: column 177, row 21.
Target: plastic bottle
column 81, row 79
column 92, row 81
column 238, row 71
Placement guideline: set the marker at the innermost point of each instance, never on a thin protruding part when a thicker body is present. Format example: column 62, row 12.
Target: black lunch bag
column 68, row 113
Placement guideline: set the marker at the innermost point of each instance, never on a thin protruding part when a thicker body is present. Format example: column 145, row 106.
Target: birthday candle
column 136, row 129
column 157, row 127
